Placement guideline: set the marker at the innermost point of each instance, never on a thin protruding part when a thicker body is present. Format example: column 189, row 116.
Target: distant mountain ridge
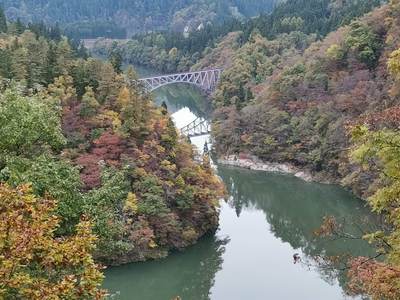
column 120, row 18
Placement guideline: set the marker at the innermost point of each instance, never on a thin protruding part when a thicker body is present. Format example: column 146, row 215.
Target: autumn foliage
column 34, row 262
column 329, row 105
column 377, row 279
column 91, row 138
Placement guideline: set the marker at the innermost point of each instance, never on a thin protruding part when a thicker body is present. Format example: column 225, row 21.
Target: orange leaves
column 33, row 263
column 328, row 227
column 388, row 118
column 379, row 280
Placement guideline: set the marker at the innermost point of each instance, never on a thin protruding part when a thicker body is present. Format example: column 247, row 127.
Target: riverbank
column 256, row 164
column 268, row 218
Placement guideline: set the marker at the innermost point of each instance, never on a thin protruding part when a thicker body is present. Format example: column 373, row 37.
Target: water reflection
column 189, row 275
column 267, row 219
column 293, row 210
column 179, row 96
column 185, row 103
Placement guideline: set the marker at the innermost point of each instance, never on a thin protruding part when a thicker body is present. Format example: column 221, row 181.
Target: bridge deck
column 205, row 79
column 178, row 74
column 196, row 128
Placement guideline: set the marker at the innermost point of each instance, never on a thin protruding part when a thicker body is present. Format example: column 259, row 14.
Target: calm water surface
column 267, row 219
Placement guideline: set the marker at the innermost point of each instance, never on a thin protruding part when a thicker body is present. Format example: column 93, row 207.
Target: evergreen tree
column 19, row 27
column 51, row 62
column 5, row 63
column 115, row 58
column 89, row 103
column 164, row 108
column 131, row 74
column 55, row 33
column 3, row 21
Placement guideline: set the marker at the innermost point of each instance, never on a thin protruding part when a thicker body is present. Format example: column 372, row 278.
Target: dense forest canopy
column 174, row 51
column 90, row 162
column 329, row 106
column 90, row 169
column 119, row 18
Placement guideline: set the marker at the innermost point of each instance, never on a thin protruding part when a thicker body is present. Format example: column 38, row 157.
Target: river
column 267, row 218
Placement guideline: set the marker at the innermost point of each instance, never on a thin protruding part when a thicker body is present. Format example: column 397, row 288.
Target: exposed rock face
column 253, row 163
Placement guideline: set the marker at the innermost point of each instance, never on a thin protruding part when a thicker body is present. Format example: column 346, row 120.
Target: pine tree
column 3, row 21
column 108, row 86
column 19, row 27
column 115, row 58
column 55, row 33
column 5, row 63
column 131, row 74
column 64, row 57
column 89, row 103
column 164, row 108
column 51, row 63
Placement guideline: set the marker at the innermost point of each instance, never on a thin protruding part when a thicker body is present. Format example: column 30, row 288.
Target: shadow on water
column 294, row 209
column 267, row 218
column 261, row 249
column 189, row 274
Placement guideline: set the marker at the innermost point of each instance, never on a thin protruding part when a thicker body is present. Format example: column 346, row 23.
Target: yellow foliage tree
column 124, row 97
column 131, row 204
column 395, row 7
column 62, row 89
column 335, row 52
column 394, row 64
column 394, row 70
column 34, row 264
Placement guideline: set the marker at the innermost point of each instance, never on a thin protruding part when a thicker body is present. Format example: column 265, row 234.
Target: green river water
column 267, row 218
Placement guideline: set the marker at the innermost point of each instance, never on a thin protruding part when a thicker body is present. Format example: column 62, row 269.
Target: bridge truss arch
column 198, row 127
column 207, row 80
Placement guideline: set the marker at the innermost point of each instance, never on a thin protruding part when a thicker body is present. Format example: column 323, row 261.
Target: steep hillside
column 172, row 51
column 289, row 100
column 94, row 18
column 330, row 107
column 78, row 132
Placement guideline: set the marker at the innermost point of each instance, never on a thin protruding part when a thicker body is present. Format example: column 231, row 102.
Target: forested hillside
column 117, row 19
column 92, row 171
column 303, row 91
column 328, row 106
column 83, row 150
column 174, row 51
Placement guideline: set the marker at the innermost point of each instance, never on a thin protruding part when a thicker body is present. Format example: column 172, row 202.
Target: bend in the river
column 267, row 219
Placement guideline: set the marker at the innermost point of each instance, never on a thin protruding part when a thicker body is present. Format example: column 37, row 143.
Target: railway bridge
column 198, row 127
column 206, row 80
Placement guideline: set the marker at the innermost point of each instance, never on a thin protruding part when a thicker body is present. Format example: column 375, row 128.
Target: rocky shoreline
column 254, row 163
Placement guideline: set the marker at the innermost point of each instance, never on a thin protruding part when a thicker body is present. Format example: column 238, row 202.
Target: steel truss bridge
column 198, row 127
column 206, row 80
